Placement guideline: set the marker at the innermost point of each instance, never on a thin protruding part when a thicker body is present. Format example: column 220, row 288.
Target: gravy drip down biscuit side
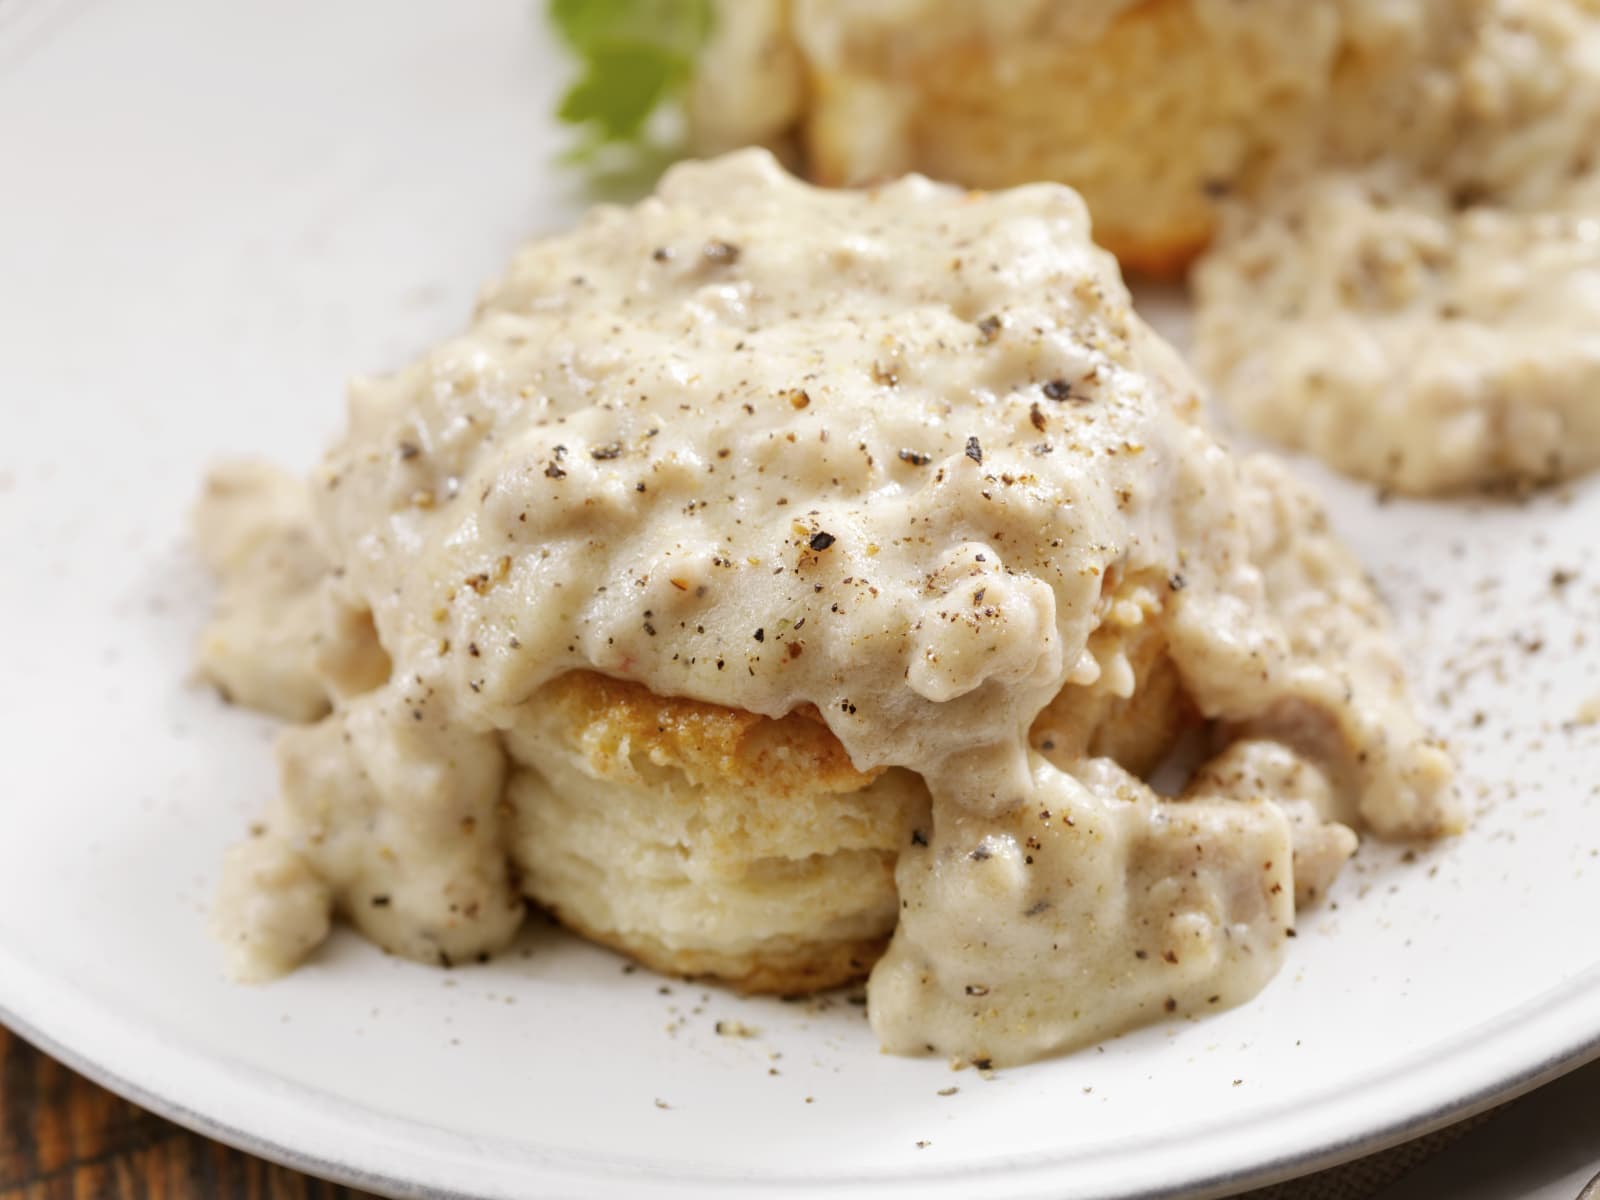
column 769, row 572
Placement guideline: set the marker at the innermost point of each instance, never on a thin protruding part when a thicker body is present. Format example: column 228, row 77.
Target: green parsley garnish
column 636, row 55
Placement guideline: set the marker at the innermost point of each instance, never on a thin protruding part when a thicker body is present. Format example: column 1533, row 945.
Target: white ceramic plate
column 212, row 213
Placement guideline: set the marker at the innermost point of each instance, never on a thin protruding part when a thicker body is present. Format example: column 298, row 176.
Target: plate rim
column 1498, row 1068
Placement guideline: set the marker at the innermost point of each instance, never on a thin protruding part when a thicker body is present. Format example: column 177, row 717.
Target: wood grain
column 64, row 1138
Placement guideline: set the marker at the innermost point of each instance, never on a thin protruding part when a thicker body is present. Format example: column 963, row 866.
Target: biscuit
column 1152, row 121
column 706, row 841
column 702, row 840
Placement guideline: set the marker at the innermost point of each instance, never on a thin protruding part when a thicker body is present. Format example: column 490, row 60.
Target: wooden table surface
column 63, row 1138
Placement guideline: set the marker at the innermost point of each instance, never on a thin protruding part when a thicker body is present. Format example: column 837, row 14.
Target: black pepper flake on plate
column 1177, row 582
column 821, row 540
column 989, row 328
column 607, row 452
column 1058, row 389
column 974, row 450
column 409, row 450
column 553, row 470
column 915, row 457
column 1036, row 418
column 720, row 253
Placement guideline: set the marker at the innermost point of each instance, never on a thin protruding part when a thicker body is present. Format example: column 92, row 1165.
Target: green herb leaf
column 675, row 27
column 620, row 87
column 636, row 54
